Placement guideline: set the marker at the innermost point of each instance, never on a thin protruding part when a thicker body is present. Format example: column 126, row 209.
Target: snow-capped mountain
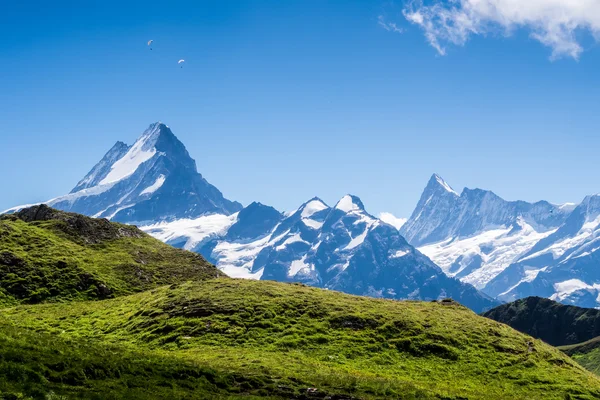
column 563, row 266
column 474, row 236
column 340, row 248
column 154, row 179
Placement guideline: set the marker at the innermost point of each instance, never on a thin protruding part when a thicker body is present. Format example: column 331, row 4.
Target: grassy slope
column 267, row 338
column 73, row 257
column 586, row 353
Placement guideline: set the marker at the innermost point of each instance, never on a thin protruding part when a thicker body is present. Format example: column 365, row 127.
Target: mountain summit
column 152, row 180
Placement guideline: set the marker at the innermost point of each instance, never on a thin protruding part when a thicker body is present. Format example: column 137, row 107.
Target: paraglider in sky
column 180, row 62
column 150, row 44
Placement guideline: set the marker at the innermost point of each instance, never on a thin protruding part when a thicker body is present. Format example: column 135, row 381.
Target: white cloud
column 554, row 23
column 388, row 26
column 391, row 219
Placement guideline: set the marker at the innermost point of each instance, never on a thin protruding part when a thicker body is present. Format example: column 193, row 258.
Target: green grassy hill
column 553, row 322
column 95, row 310
column 226, row 337
column 49, row 255
column 586, row 354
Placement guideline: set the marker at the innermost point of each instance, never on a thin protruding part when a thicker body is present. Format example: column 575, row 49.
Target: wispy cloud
column 388, row 26
column 554, row 23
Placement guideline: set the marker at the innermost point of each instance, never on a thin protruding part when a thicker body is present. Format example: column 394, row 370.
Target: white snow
column 92, row 191
column 444, row 184
column 391, row 219
column 155, row 186
column 241, row 272
column 193, row 231
column 232, row 257
column 568, row 206
column 292, row 239
column 111, row 216
column 311, row 223
column 496, row 247
column 358, row 240
column 312, row 207
column 299, row 266
column 566, row 288
column 130, row 162
column 589, row 230
column 400, row 253
column 347, row 205
column 340, row 267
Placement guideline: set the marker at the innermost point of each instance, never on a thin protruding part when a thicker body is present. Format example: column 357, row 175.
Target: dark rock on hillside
column 89, row 230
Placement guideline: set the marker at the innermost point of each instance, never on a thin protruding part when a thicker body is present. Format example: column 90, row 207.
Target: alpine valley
column 474, row 246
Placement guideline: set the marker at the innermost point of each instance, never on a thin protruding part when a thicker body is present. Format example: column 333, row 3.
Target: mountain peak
column 436, row 181
column 155, row 133
column 154, row 179
column 350, row 203
column 312, row 206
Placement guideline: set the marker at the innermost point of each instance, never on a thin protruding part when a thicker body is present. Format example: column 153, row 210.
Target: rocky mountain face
column 339, row 248
column 154, row 179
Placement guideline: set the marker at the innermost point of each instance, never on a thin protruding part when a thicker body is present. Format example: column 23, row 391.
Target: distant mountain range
column 506, row 249
column 510, row 250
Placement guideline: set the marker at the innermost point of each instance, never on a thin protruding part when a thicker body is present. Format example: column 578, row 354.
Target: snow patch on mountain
column 567, row 288
column 155, row 186
column 191, row 231
column 400, row 253
column 311, row 223
column 588, row 231
column 444, row 184
column 348, row 204
column 313, row 207
column 292, row 239
column 139, row 153
column 480, row 258
column 298, row 266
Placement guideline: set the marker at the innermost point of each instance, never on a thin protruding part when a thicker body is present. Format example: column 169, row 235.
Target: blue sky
column 282, row 101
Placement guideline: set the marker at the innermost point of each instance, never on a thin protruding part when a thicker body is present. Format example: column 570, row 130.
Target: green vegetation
column 48, row 255
column 95, row 310
column 553, row 322
column 267, row 338
column 575, row 330
column 586, row 354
